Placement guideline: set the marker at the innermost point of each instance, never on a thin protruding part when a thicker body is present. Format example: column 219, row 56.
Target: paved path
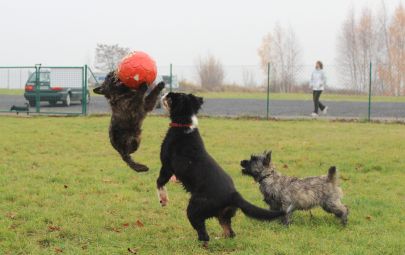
column 243, row 107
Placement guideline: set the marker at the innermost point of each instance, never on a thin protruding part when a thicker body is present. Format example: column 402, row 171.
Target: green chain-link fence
column 273, row 90
column 45, row 89
column 377, row 92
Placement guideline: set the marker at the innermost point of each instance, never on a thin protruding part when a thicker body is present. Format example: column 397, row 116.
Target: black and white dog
column 183, row 154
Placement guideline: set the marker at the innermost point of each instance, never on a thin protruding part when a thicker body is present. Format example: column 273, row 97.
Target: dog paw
column 161, row 85
column 286, row 222
column 163, row 197
column 142, row 168
column 344, row 221
column 143, row 87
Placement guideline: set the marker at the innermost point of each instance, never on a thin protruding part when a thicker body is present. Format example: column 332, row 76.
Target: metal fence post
column 84, row 90
column 268, row 91
column 171, row 77
column 369, row 93
column 37, row 87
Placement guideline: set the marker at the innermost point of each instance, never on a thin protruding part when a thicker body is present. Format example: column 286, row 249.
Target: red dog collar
column 178, row 125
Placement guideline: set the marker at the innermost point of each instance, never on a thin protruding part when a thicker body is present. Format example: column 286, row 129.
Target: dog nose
column 243, row 163
column 98, row 90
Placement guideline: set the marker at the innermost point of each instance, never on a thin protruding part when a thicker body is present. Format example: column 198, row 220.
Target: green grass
column 11, row 92
column 63, row 188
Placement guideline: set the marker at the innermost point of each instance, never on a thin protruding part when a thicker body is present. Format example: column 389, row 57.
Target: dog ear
column 200, row 100
column 175, row 101
column 267, row 159
column 196, row 102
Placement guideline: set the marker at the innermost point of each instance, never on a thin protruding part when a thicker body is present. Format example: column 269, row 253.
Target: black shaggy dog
column 18, row 109
column 129, row 108
column 183, row 154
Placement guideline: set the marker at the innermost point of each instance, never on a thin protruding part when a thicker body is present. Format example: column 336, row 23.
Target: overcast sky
column 56, row 32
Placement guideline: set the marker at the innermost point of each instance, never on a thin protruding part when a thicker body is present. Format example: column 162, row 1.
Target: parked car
column 52, row 92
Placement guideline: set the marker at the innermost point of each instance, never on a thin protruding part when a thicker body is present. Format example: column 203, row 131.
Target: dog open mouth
column 245, row 172
column 165, row 102
column 244, row 164
column 98, row 90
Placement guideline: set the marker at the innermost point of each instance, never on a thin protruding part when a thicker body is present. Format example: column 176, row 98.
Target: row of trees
column 377, row 38
column 372, row 37
column 280, row 49
column 210, row 70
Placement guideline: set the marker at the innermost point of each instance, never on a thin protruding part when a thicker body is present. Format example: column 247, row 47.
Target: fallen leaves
column 58, row 250
column 136, row 224
column 368, row 217
column 11, row 215
column 116, row 230
column 132, row 250
column 53, row 228
column 139, row 223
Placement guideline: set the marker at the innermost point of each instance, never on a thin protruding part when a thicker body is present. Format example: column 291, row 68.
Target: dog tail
column 253, row 211
column 332, row 176
column 132, row 164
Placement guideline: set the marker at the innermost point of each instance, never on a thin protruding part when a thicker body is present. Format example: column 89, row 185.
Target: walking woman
column 317, row 83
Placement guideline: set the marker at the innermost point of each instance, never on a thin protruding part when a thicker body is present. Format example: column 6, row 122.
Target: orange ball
column 137, row 68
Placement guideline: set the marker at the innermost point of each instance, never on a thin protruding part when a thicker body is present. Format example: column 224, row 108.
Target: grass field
column 11, row 92
column 273, row 96
column 63, row 189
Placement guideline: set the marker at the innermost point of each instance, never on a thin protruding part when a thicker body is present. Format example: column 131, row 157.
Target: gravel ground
column 242, row 107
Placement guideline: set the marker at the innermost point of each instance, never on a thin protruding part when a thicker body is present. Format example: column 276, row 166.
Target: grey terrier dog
column 291, row 193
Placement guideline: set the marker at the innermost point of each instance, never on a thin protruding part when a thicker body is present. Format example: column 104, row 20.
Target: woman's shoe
column 325, row 110
column 314, row 115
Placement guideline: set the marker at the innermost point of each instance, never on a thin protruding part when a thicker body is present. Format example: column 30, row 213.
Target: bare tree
column 397, row 51
column 378, row 39
column 210, row 72
column 108, row 56
column 347, row 53
column 394, row 77
column 382, row 62
column 367, row 51
column 281, row 50
column 265, row 51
